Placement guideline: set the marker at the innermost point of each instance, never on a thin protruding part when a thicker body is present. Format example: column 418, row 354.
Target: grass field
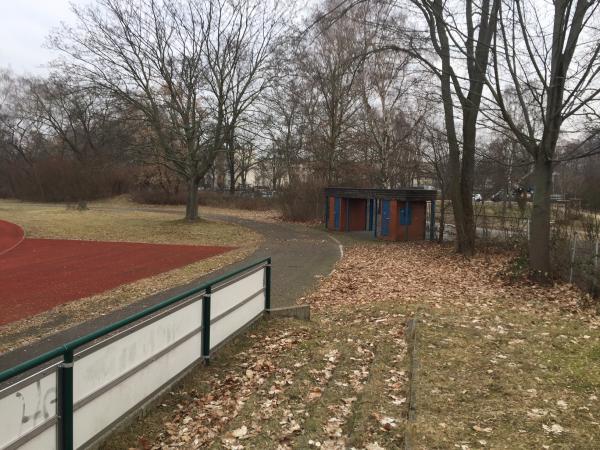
column 500, row 365
column 124, row 225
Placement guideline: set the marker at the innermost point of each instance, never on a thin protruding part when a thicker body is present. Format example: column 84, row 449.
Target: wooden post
column 572, row 259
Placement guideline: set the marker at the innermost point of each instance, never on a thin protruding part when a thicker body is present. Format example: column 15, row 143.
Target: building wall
column 357, row 214
column 416, row 229
column 331, row 218
column 343, row 212
column 354, row 217
column 344, row 215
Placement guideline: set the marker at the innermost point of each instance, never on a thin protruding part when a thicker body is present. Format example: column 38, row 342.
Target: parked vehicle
column 477, row 198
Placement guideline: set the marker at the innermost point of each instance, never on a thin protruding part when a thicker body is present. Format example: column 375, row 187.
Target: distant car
column 477, row 198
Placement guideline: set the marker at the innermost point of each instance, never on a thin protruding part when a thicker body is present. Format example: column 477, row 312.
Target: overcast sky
column 24, row 26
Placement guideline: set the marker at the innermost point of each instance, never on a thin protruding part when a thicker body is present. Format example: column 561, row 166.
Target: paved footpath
column 300, row 254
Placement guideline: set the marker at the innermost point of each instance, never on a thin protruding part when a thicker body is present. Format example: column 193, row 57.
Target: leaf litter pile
column 500, row 365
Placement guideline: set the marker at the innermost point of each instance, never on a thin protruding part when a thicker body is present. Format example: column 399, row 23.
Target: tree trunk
column 465, row 239
column 231, row 180
column 462, row 207
column 539, row 241
column 442, row 217
column 191, row 207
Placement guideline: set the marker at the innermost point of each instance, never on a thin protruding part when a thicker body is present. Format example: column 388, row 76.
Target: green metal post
column 206, row 324
column 66, row 402
column 268, row 286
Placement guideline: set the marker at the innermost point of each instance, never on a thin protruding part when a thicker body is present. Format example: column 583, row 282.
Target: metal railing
column 137, row 346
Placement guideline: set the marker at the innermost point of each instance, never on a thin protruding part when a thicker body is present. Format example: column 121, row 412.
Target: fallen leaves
column 372, row 273
column 240, row 432
column 343, row 391
column 202, row 418
column 553, row 429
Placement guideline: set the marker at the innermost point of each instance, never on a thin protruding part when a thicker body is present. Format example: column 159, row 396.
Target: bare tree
column 389, row 88
column 331, row 59
column 461, row 36
column 78, row 117
column 19, row 130
column 436, row 157
column 283, row 127
column 240, row 53
column 150, row 54
column 551, row 65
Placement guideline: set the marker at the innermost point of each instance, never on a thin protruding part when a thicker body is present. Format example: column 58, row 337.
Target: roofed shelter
column 393, row 214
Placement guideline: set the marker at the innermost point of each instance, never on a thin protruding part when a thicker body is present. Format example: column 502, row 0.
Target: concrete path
column 300, row 254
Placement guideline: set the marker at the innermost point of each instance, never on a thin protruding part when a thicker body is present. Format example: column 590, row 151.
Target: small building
column 392, row 214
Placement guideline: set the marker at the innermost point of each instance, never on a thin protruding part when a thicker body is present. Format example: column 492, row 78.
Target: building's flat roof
column 410, row 194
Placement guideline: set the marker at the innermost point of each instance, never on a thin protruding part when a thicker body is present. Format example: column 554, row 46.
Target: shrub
column 159, row 196
column 56, row 179
column 253, row 201
column 302, row 202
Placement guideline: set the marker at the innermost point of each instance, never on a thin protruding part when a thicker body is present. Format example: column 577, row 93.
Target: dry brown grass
column 124, row 202
column 122, row 223
column 336, row 382
column 501, row 365
column 58, row 222
column 508, row 379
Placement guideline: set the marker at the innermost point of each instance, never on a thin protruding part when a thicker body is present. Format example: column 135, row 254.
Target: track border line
column 4, row 252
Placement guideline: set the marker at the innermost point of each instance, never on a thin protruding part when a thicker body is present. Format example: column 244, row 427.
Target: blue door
column 385, row 217
column 406, row 215
column 336, row 213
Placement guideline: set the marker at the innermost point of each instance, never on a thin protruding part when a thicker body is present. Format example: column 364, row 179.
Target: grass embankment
column 99, row 223
column 501, row 366
column 225, row 209
column 334, row 382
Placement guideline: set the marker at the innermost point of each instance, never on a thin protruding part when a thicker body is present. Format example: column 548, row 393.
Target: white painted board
column 27, row 408
column 104, row 365
column 232, row 322
column 46, row 440
column 95, row 416
column 224, row 299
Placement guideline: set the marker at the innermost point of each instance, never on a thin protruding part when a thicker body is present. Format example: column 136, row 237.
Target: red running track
column 40, row 274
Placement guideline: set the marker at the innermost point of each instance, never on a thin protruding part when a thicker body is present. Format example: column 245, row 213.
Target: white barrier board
column 27, row 408
column 45, row 440
column 104, row 365
column 236, row 319
column 96, row 415
column 112, row 378
column 226, row 298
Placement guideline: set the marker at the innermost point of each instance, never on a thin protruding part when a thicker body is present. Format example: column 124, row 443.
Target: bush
column 253, row 201
column 302, row 202
column 158, row 196
column 55, row 179
column 154, row 195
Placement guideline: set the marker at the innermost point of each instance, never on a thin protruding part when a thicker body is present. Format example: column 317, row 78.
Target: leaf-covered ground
column 500, row 365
